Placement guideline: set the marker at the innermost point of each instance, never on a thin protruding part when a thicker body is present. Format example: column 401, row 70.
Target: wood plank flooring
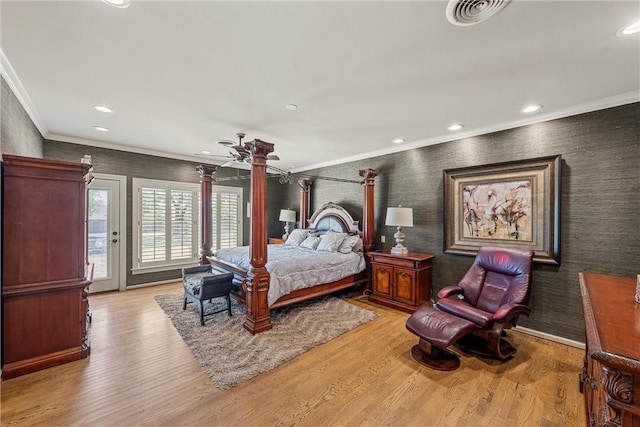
column 140, row 373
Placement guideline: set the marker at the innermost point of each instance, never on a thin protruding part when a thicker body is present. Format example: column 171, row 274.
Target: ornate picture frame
column 513, row 204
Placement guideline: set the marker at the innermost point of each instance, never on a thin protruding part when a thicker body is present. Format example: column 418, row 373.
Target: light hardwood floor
column 141, row 373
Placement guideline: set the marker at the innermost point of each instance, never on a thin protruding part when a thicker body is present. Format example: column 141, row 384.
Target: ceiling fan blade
column 273, row 157
column 212, row 155
column 226, row 142
column 240, row 150
column 229, row 163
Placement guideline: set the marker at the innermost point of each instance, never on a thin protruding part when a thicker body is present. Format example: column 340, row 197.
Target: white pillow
column 311, row 242
column 331, row 241
column 296, row 237
column 348, row 243
column 359, row 246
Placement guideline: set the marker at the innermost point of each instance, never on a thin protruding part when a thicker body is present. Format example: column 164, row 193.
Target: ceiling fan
column 240, row 152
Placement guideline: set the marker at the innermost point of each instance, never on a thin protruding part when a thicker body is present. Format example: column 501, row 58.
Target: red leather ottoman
column 437, row 330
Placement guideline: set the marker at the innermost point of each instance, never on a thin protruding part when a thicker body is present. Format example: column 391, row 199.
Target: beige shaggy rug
column 229, row 354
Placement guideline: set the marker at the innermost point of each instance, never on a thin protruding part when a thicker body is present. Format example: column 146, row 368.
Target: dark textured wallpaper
column 600, row 188
column 18, row 135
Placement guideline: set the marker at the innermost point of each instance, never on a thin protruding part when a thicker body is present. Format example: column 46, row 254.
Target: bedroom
column 600, row 153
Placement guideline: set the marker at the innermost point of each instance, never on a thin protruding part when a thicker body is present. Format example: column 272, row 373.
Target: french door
column 105, row 233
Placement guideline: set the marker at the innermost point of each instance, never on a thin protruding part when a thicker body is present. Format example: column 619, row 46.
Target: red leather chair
column 489, row 299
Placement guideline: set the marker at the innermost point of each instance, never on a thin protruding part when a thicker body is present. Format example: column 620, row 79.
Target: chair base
column 477, row 346
column 435, row 357
column 200, row 306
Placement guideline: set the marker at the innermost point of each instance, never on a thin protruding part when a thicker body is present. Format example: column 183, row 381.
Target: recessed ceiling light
column 101, row 128
column 531, row 108
column 456, row 126
column 398, row 141
column 121, row 4
column 291, row 107
column 205, row 152
column 103, row 109
column 629, row 29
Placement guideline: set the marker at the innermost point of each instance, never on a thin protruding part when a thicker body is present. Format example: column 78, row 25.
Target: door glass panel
column 98, row 230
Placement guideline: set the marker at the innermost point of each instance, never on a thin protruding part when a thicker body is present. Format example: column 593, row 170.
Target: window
column 226, row 217
column 166, row 223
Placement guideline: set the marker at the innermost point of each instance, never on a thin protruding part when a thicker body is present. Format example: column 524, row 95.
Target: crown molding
column 600, row 104
column 12, row 79
column 127, row 148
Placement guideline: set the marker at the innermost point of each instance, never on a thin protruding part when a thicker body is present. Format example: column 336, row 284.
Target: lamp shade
column 401, row 217
column 287, row 215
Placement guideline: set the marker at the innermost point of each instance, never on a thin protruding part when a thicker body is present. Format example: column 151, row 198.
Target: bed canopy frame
column 255, row 280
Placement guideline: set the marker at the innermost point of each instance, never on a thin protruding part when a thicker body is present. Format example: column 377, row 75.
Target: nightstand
column 275, row 241
column 402, row 282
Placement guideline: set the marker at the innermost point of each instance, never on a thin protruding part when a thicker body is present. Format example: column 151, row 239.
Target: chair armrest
column 197, row 269
column 449, row 291
column 507, row 312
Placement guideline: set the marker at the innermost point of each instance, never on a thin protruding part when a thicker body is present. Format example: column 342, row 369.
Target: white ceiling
column 182, row 75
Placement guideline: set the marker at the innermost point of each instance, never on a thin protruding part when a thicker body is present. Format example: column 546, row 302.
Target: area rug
column 229, row 354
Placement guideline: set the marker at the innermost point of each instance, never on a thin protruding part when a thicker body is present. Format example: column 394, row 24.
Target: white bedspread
column 293, row 267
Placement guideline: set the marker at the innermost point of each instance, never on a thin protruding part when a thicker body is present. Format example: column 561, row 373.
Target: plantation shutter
column 166, row 216
column 214, row 222
column 226, row 213
column 229, row 219
column 153, row 224
column 182, row 224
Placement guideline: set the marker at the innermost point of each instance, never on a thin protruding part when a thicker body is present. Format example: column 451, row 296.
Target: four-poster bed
column 253, row 281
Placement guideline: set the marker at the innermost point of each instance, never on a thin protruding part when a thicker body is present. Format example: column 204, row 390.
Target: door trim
column 122, row 183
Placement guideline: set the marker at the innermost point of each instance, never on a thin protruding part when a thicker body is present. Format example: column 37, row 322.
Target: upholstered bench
column 437, row 330
column 205, row 282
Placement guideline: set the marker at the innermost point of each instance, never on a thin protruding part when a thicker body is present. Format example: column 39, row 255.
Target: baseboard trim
column 146, row 285
column 550, row 337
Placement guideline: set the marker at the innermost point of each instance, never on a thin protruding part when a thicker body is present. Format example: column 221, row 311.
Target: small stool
column 205, row 282
column 437, row 330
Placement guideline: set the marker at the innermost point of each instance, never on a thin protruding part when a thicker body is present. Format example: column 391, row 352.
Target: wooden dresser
column 44, row 264
column 401, row 281
column 610, row 380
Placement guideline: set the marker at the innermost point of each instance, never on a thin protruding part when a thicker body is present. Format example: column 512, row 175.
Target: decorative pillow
column 359, row 246
column 331, row 241
column 311, row 242
column 296, row 237
column 348, row 243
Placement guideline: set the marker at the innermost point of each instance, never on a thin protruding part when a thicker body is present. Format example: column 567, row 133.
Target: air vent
column 470, row 12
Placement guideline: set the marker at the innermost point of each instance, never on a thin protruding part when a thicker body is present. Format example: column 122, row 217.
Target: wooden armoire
column 45, row 275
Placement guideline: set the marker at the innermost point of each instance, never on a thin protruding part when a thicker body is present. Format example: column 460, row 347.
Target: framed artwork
column 514, row 204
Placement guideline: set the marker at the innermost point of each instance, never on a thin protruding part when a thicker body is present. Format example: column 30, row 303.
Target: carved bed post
column 304, row 185
column 256, row 286
column 368, row 228
column 206, row 181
